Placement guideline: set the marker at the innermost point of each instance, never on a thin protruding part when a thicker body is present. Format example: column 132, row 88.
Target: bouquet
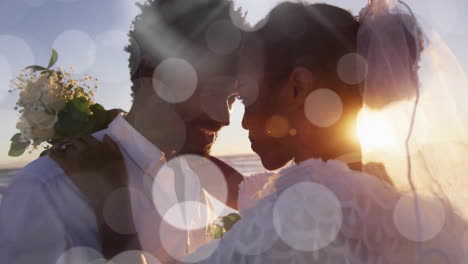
column 54, row 106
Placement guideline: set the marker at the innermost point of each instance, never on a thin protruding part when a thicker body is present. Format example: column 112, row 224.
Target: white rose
column 23, row 126
column 33, row 91
column 52, row 101
column 29, row 95
column 42, row 124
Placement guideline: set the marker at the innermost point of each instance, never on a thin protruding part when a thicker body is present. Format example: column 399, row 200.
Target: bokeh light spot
column 77, row 48
column 16, row 52
column 5, row 77
column 187, row 215
column 179, row 191
column 432, row 216
column 277, row 126
column 182, row 251
column 313, row 222
column 174, row 130
column 292, row 132
column 113, row 207
column 248, row 89
column 352, row 68
column 175, row 80
column 108, row 44
column 222, row 37
column 99, row 261
column 323, row 107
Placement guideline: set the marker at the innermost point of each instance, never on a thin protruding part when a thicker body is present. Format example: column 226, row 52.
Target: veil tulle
column 425, row 114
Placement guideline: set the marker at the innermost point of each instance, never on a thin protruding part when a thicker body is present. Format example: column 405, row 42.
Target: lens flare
column 373, row 131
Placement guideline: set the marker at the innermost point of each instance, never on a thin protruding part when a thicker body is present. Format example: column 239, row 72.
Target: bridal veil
column 418, row 92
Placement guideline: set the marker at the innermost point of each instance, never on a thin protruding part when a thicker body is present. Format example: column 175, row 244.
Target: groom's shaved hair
column 167, row 28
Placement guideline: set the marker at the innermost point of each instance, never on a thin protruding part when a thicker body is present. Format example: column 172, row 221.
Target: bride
column 325, row 208
column 320, row 72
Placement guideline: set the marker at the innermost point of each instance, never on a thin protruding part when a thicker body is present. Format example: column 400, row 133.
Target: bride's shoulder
column 343, row 182
column 251, row 188
column 335, row 176
column 325, row 207
column 307, row 207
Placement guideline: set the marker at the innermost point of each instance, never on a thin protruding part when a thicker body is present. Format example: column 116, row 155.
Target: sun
column 374, row 131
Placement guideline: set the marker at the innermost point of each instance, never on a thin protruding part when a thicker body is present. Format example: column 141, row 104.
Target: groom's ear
column 302, row 80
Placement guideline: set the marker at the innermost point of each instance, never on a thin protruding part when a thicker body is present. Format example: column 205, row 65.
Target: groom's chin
column 203, row 151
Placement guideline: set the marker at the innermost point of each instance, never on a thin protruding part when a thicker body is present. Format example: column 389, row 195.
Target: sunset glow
column 374, row 131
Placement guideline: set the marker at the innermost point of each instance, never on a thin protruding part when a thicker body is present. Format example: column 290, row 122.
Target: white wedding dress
column 324, row 212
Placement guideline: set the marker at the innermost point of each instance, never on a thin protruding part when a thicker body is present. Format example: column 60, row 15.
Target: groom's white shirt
column 43, row 214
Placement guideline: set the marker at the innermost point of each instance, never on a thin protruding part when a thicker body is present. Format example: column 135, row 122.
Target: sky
column 90, row 35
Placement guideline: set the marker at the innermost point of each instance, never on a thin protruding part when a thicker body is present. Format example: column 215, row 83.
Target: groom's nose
column 247, row 119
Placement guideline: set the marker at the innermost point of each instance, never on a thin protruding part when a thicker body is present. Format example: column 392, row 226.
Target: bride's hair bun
column 318, row 36
column 392, row 42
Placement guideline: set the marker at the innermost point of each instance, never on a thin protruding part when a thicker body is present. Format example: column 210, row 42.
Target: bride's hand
column 97, row 168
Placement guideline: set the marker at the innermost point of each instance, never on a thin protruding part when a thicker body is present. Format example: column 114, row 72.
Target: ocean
column 245, row 164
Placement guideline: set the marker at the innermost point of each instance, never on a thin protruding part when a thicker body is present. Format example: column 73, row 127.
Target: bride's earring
column 292, row 132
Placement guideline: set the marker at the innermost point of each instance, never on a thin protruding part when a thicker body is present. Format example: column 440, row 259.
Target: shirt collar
column 140, row 149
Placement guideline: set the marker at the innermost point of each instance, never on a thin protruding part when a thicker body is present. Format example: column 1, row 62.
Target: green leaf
column 16, row 137
column 73, row 119
column 229, row 220
column 98, row 120
column 17, row 148
column 47, row 72
column 100, row 117
column 233, row 217
column 53, row 58
column 217, row 231
column 36, row 68
column 79, row 109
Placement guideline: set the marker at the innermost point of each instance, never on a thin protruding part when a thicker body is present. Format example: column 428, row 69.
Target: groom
column 43, row 214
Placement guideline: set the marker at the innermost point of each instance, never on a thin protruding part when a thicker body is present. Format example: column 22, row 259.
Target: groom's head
column 183, row 56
